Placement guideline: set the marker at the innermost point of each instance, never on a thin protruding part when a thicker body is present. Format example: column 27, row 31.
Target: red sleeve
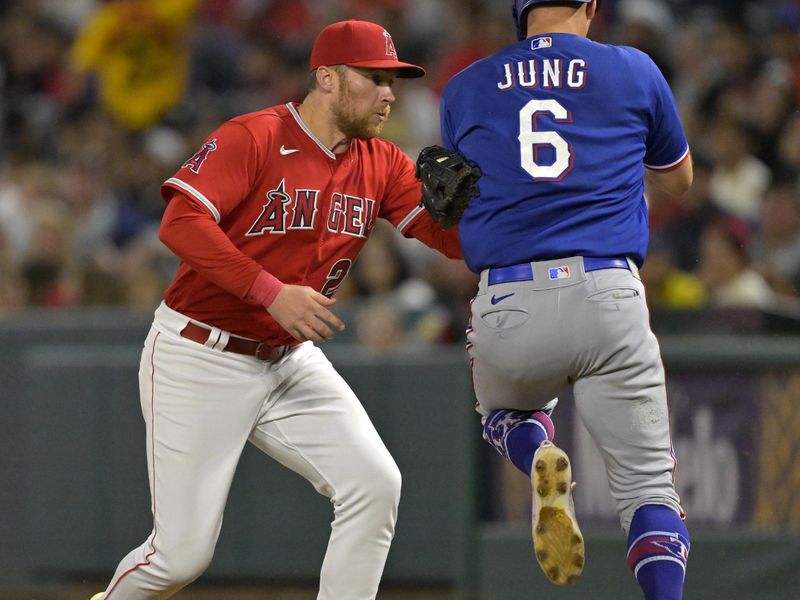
column 190, row 232
column 430, row 233
column 221, row 173
column 401, row 208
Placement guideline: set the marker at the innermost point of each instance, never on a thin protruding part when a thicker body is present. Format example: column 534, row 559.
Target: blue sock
column 658, row 549
column 517, row 434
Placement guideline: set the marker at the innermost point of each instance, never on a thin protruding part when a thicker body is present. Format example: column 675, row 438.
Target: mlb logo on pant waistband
column 559, row 273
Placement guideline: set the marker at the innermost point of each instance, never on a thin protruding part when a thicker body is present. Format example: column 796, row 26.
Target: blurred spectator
column 789, row 144
column 381, row 284
column 739, row 178
column 696, row 211
column 16, row 216
column 12, row 293
column 379, row 326
column 70, row 15
column 770, row 106
column 477, row 32
column 45, row 269
column 786, row 41
column 667, row 286
column 725, row 267
column 645, row 23
column 776, row 247
column 736, row 62
column 692, row 78
column 381, row 269
column 34, row 80
column 415, row 118
column 455, row 286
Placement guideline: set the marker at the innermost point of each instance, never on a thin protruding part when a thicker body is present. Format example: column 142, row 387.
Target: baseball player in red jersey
column 267, row 218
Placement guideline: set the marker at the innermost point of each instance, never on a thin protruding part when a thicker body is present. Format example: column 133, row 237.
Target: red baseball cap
column 359, row 44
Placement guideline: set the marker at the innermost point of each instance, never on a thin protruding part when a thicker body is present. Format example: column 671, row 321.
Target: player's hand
column 303, row 312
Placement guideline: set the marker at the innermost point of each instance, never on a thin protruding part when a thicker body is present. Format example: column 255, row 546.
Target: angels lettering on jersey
column 282, row 212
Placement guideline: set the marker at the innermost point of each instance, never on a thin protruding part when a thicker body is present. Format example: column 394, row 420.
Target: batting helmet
column 520, row 12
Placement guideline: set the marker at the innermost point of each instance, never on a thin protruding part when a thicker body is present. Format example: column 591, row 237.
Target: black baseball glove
column 448, row 182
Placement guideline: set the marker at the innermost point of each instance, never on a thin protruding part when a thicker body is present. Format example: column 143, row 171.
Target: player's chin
column 370, row 131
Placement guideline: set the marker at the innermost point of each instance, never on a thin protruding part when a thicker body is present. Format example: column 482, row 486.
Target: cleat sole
column 558, row 543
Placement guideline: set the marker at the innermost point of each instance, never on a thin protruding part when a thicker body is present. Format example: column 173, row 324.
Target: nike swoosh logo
column 496, row 300
column 285, row 151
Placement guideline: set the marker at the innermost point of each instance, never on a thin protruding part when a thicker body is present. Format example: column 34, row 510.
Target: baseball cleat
column 557, row 539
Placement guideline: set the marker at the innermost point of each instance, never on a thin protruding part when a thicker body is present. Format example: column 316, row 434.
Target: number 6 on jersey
column 530, row 140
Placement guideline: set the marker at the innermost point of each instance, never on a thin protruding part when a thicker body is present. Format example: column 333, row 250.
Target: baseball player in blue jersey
column 567, row 132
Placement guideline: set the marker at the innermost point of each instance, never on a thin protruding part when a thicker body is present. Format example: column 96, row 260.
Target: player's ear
column 326, row 79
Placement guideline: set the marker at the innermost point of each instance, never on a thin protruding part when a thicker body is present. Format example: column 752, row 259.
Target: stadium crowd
column 102, row 101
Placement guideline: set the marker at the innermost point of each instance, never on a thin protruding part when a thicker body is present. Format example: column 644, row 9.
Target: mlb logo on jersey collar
column 559, row 273
column 541, row 42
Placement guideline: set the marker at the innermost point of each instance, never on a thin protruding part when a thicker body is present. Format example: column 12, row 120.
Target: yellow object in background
column 139, row 52
column 680, row 290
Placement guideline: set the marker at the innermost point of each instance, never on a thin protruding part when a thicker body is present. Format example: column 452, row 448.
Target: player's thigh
column 517, row 360
column 622, row 402
column 199, row 406
column 494, row 390
column 316, row 426
column 631, row 430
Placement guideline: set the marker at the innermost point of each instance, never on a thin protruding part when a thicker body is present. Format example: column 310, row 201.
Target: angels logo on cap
column 390, row 49
column 359, row 44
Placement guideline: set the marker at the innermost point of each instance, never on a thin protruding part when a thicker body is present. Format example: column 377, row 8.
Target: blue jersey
column 562, row 128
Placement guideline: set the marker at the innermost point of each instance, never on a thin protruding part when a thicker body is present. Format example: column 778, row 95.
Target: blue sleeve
column 444, row 125
column 666, row 141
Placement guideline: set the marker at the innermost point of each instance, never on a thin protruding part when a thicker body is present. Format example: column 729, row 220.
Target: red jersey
column 295, row 208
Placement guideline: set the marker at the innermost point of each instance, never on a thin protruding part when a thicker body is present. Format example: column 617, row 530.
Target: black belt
column 237, row 345
column 524, row 271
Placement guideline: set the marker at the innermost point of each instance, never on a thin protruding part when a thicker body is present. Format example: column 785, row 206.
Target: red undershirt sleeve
column 190, row 231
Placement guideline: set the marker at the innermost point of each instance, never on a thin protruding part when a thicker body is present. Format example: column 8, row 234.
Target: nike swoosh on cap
column 284, row 150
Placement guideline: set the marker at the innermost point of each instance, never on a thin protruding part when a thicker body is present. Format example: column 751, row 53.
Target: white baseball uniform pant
column 532, row 338
column 200, row 406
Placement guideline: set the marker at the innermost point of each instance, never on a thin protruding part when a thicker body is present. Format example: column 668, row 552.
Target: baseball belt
column 237, row 345
column 524, row 271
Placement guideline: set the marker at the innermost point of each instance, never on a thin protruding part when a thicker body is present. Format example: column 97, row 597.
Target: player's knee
column 373, row 498
column 377, row 495
column 185, row 563
column 627, row 508
column 384, row 487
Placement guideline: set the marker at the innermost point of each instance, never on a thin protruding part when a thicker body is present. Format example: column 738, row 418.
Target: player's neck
column 554, row 21
column 319, row 123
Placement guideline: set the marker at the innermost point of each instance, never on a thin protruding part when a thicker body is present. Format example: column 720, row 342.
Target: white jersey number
column 530, row 140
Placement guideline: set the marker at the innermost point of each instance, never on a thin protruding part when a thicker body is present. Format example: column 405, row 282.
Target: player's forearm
column 195, row 238
column 674, row 181
column 430, row 233
column 450, row 244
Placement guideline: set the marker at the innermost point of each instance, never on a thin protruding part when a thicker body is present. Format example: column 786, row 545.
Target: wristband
column 264, row 289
